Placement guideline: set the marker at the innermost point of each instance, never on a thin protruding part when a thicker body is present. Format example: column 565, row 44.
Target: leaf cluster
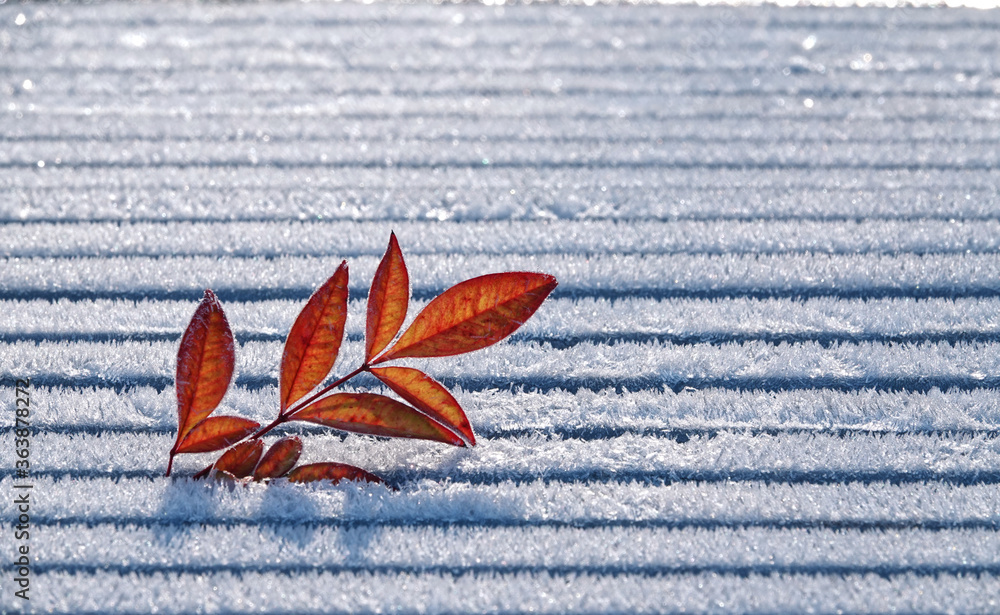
column 471, row 315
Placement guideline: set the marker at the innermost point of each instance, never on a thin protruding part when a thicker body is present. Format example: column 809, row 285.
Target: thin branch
column 282, row 418
column 302, row 404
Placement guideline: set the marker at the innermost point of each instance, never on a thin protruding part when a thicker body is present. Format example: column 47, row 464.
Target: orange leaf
column 241, row 459
column 314, row 340
column 335, row 472
column 205, row 363
column 473, row 314
column 279, row 459
column 428, row 396
column 373, row 414
column 387, row 300
column 216, row 432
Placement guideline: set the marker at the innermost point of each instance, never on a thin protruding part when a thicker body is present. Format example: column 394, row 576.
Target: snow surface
column 769, row 381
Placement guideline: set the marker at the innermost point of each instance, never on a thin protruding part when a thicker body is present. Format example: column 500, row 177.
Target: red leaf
column 216, row 432
column 205, row 363
column 279, row 459
column 373, row 414
column 314, row 340
column 241, row 459
column 473, row 314
column 335, row 472
column 387, row 300
column 428, row 396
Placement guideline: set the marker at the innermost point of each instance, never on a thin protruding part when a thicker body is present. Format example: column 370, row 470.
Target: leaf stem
column 284, row 417
column 287, row 415
column 302, row 404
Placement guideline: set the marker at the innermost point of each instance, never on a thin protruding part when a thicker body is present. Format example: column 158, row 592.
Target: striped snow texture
column 769, row 380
